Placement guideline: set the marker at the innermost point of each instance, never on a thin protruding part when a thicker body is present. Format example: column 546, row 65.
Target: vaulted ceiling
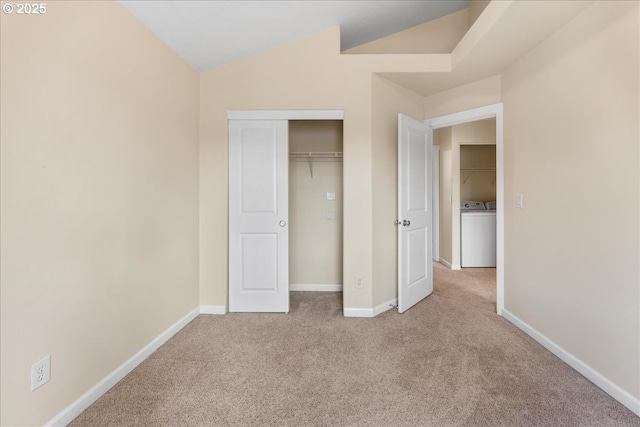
column 210, row 33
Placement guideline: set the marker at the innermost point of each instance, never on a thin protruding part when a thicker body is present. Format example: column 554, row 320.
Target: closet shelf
column 468, row 171
column 310, row 156
column 315, row 154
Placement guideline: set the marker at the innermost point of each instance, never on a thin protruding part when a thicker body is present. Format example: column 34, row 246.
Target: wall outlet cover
column 40, row 373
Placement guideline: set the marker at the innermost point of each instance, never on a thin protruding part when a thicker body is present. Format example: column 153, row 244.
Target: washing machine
column 477, row 234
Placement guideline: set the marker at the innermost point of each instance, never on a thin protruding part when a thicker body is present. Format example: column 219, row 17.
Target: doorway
column 490, row 111
column 315, row 205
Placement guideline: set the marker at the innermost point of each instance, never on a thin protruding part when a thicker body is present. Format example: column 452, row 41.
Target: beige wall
column 99, row 199
column 446, row 194
column 571, row 111
column 437, row 36
column 461, row 98
column 315, row 242
column 307, row 74
column 478, row 172
column 315, row 135
column 388, row 99
column 476, row 7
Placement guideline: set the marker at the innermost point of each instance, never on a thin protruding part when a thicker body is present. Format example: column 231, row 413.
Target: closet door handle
column 282, row 223
column 406, row 223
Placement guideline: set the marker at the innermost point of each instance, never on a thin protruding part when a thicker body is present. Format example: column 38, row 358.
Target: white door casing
column 435, row 201
column 258, row 216
column 415, row 261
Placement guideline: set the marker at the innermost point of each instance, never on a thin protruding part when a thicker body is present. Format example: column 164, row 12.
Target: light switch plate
column 331, row 195
column 519, row 201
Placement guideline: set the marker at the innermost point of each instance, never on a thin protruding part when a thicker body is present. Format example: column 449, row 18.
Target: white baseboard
column 385, row 306
column 371, row 312
column 587, row 371
column 83, row 402
column 213, row 309
column 314, row 288
column 449, row 265
column 357, row 312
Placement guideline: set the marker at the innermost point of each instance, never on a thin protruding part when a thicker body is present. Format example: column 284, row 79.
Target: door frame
column 435, row 200
column 487, row 112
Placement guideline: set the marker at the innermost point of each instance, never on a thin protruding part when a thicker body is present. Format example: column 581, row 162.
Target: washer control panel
column 472, row 206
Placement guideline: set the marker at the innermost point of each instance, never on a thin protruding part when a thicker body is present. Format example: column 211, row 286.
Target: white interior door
column 258, row 216
column 415, row 262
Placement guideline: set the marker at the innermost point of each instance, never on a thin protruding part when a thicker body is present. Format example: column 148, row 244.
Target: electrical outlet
column 40, row 372
column 359, row 282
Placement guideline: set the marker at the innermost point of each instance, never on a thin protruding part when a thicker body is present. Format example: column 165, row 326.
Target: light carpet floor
column 448, row 361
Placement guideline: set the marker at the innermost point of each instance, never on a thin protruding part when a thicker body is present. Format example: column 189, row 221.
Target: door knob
column 406, row 223
column 282, row 223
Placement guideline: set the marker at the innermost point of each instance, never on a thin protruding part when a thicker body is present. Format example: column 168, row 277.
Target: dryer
column 477, row 235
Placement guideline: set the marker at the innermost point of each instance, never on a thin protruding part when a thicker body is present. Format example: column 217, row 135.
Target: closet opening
column 315, row 209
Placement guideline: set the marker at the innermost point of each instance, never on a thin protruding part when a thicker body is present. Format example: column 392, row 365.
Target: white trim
column 309, row 287
column 214, row 309
column 449, row 265
column 487, row 112
column 357, row 312
column 587, row 371
column 285, row 115
column 87, row 399
column 393, row 303
column 435, row 197
column 371, row 312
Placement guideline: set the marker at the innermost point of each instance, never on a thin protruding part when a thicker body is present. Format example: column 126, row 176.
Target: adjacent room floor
column 448, row 361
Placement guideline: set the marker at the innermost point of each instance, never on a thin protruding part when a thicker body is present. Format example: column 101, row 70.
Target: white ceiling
column 211, row 33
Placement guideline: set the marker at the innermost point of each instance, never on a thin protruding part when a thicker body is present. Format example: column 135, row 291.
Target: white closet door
column 415, row 262
column 258, row 216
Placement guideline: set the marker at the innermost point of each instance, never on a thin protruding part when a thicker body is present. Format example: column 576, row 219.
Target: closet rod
column 316, row 154
column 311, row 155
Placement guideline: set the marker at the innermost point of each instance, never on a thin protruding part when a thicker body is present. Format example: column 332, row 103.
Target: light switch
column 519, row 201
column 331, row 215
column 331, row 195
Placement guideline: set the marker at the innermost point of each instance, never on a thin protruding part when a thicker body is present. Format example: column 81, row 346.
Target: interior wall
column 388, row 100
column 315, row 239
column 315, row 135
column 461, row 98
column 571, row 111
column 440, row 35
column 478, row 172
column 308, row 74
column 446, row 195
column 476, row 7
column 99, row 199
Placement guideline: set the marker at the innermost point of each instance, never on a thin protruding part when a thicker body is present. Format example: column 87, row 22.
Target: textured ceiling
column 211, row 33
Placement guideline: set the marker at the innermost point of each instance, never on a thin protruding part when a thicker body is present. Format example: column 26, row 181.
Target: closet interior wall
column 315, row 221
